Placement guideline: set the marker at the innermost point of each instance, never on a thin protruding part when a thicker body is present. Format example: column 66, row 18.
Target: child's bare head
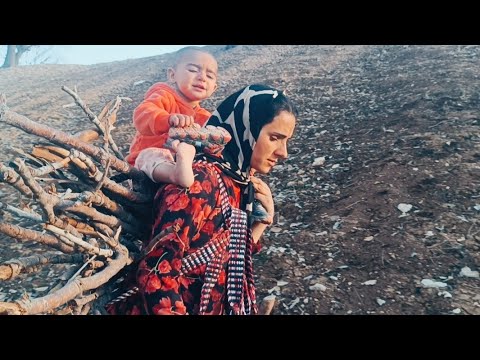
column 187, row 51
column 193, row 74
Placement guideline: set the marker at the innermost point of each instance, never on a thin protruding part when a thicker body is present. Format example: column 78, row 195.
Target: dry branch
column 70, row 142
column 93, row 118
column 13, row 268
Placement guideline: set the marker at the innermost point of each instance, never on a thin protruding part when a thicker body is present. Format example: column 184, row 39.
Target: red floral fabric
column 196, row 212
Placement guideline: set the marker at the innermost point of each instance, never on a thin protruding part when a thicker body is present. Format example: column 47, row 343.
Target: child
column 191, row 79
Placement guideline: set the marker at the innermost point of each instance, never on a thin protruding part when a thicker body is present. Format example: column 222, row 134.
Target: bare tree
column 40, row 54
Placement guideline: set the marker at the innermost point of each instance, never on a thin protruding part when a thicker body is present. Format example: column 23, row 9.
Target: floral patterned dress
column 165, row 287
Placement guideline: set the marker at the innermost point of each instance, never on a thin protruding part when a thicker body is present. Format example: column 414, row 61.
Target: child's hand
column 180, row 120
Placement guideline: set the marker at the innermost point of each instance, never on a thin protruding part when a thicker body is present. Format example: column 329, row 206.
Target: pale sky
column 94, row 54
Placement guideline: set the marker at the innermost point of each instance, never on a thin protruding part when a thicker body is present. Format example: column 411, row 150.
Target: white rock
column 380, row 301
column 294, row 302
column 456, row 311
column 404, row 208
column 466, row 271
column 318, row 286
column 282, row 283
column 319, row 161
column 368, row 238
column 445, row 294
column 369, row 282
column 275, row 288
column 41, row 289
column 429, row 283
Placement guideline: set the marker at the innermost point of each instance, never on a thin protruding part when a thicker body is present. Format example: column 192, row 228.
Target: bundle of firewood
column 86, row 204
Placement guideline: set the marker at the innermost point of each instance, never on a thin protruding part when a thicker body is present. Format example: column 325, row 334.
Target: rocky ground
column 378, row 205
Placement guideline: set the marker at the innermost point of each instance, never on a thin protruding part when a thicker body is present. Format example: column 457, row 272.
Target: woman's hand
column 264, row 195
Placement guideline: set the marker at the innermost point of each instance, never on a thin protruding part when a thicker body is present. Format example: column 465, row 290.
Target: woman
column 199, row 260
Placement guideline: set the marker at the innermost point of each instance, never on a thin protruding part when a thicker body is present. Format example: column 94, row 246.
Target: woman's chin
column 265, row 169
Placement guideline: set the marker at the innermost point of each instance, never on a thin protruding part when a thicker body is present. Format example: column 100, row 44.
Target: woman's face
column 272, row 142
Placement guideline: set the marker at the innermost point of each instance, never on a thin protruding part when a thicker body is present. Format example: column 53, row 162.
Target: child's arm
column 154, row 115
column 151, row 117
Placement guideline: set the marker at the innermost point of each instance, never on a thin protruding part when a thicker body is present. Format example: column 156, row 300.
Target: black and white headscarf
column 243, row 114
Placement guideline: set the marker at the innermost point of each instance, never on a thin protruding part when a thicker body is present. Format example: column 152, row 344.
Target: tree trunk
column 21, row 49
column 10, row 60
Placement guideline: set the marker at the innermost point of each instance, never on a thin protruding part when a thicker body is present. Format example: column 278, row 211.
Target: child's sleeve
column 151, row 116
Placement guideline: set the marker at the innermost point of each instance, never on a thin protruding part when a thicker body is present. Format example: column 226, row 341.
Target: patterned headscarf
column 243, row 114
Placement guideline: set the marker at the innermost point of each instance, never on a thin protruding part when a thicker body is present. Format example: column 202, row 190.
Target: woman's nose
column 282, row 151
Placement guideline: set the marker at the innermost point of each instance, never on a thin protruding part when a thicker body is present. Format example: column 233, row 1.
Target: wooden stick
column 93, row 119
column 12, row 268
column 25, row 235
column 63, row 139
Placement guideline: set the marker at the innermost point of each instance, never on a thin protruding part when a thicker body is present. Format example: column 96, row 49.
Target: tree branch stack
column 89, row 210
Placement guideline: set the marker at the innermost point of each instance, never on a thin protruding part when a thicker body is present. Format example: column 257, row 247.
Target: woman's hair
column 282, row 103
column 272, row 108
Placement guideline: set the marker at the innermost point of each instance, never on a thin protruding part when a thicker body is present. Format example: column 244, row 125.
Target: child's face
column 195, row 76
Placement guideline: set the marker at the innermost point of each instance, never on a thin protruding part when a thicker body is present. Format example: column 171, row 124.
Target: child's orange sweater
column 150, row 118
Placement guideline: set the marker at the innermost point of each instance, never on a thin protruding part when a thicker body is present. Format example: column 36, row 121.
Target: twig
column 441, row 122
column 10, row 176
column 90, row 248
column 63, row 139
column 81, row 268
column 93, row 118
column 12, row 268
column 47, row 169
column 25, row 235
column 104, row 177
column 43, row 198
column 22, row 213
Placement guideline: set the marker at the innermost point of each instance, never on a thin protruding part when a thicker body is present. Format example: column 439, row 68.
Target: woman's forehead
column 283, row 123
